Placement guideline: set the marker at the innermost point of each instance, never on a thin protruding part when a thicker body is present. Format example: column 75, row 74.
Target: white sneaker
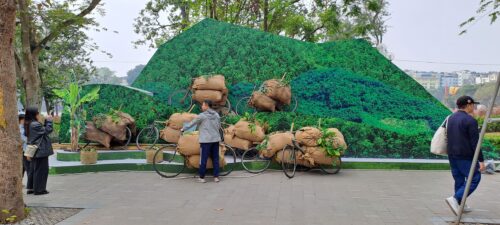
column 201, row 180
column 453, row 204
column 467, row 209
column 216, row 180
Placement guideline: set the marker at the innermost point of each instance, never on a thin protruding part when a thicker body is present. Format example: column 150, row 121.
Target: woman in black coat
column 38, row 134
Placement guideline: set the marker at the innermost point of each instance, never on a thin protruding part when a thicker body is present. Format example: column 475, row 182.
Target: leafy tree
column 67, row 60
column 134, row 73
column 314, row 21
column 104, row 75
column 11, row 196
column 490, row 8
column 40, row 24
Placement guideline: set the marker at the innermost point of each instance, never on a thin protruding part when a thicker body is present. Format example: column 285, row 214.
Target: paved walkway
column 351, row 197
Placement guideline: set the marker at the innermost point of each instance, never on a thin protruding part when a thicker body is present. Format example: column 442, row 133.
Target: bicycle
column 289, row 161
column 149, row 135
column 172, row 163
column 121, row 144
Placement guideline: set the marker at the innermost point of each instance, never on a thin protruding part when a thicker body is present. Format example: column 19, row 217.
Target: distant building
column 465, row 77
column 429, row 80
column 448, row 80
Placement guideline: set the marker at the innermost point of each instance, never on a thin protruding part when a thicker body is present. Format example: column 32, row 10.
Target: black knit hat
column 464, row 100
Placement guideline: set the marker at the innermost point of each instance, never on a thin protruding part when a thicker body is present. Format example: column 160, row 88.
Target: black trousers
column 26, row 166
column 39, row 169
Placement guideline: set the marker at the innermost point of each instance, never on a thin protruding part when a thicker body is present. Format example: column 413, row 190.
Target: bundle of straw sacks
column 172, row 131
column 273, row 94
column 244, row 134
column 189, row 146
column 105, row 128
column 307, row 138
column 210, row 88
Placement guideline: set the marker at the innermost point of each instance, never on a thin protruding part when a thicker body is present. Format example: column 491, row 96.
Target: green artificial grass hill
column 245, row 54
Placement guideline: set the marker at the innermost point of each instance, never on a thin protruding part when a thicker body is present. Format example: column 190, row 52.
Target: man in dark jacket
column 463, row 136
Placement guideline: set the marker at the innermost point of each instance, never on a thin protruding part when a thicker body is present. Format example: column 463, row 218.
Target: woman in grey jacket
column 208, row 123
column 37, row 134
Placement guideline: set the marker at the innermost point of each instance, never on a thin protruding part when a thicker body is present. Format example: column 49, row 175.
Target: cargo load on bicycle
column 232, row 140
column 276, row 142
column 262, row 102
column 320, row 147
column 278, row 91
column 249, row 131
column 94, row 134
column 114, row 127
column 172, row 131
column 211, row 88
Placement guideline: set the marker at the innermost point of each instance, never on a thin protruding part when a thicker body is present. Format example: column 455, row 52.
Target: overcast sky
column 422, row 35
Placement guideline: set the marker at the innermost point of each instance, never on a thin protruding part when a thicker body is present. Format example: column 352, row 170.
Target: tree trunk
column 74, row 138
column 11, row 197
column 31, row 78
column 266, row 15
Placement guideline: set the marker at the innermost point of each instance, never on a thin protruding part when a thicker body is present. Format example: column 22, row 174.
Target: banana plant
column 72, row 103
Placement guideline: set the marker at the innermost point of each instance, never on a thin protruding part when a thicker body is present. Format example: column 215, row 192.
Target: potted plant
column 150, row 154
column 88, row 156
column 72, row 104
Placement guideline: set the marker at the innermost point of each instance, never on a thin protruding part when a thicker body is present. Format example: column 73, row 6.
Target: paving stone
column 351, row 197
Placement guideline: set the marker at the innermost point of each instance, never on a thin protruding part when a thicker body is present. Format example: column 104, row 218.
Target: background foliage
column 244, row 54
column 348, row 84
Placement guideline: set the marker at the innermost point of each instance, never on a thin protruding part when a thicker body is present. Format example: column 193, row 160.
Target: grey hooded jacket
column 208, row 123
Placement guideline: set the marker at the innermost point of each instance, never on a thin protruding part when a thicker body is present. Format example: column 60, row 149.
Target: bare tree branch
column 59, row 28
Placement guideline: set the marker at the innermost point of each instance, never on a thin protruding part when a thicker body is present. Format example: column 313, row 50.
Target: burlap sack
column 319, row 155
column 129, row 121
column 278, row 91
column 243, row 130
column 301, row 159
column 277, row 142
column 117, row 130
column 87, row 158
column 261, row 102
column 202, row 95
column 177, row 120
column 338, row 140
column 150, row 154
column 170, row 135
column 194, row 161
column 189, row 144
column 216, row 82
column 236, row 142
column 94, row 134
column 308, row 136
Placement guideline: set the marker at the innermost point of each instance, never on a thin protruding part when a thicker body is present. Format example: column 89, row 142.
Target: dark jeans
column 460, row 170
column 209, row 150
column 39, row 170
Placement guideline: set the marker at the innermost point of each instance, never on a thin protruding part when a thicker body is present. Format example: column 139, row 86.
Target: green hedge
column 244, row 54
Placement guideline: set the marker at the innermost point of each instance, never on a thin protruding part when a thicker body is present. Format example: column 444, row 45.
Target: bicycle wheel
column 148, row 135
column 168, row 162
column 288, row 161
column 243, row 106
column 253, row 162
column 230, row 158
column 181, row 99
column 292, row 107
column 334, row 168
column 124, row 144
